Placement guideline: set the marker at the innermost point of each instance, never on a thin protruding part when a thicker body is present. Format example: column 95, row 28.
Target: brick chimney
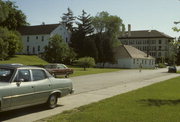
column 129, row 30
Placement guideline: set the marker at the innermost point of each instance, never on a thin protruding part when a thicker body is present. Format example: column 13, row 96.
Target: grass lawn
column 34, row 60
column 80, row 71
column 156, row 103
column 25, row 59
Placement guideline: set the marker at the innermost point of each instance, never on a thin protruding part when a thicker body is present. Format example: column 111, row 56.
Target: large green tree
column 4, row 11
column 12, row 17
column 107, row 28
column 10, row 43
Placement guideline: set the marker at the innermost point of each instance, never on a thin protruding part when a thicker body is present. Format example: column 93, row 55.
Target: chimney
column 129, row 30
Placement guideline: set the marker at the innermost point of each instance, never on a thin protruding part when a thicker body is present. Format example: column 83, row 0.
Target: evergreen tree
column 68, row 19
column 82, row 32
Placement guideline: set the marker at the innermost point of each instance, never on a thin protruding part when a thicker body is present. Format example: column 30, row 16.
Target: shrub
column 86, row 62
column 161, row 65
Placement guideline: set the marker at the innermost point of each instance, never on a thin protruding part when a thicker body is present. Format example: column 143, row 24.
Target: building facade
column 130, row 57
column 35, row 38
column 153, row 42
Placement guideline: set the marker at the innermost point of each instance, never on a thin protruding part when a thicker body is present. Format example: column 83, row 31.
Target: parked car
column 172, row 69
column 58, row 69
column 22, row 86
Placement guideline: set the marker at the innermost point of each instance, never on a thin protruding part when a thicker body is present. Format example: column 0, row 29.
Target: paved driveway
column 92, row 88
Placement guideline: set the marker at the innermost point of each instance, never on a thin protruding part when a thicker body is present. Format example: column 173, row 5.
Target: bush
column 86, row 62
column 161, row 65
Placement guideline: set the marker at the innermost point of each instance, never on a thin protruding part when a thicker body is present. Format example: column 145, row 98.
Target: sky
column 141, row 14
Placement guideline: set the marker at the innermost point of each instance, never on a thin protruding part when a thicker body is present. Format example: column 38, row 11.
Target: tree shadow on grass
column 159, row 102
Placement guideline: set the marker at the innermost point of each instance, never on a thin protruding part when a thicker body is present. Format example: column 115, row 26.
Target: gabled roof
column 126, row 51
column 145, row 34
column 37, row 29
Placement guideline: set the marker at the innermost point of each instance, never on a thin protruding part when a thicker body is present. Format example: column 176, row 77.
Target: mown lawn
column 156, row 103
column 80, row 71
column 25, row 59
column 34, row 60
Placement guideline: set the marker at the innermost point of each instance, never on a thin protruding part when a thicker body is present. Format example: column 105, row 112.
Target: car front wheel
column 52, row 101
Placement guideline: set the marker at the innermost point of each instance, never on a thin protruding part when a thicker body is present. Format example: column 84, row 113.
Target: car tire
column 67, row 75
column 52, row 101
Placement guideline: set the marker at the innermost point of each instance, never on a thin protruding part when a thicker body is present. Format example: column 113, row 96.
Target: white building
column 153, row 42
column 130, row 58
column 35, row 38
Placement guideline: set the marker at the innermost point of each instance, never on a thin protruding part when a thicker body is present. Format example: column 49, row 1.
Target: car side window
column 23, row 74
column 38, row 74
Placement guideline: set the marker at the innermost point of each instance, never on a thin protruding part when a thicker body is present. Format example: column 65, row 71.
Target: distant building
column 35, row 38
column 129, row 57
column 152, row 42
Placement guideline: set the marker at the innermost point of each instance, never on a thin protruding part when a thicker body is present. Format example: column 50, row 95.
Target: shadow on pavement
column 23, row 111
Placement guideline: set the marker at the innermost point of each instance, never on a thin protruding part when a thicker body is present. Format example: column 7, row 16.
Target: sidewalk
column 77, row 100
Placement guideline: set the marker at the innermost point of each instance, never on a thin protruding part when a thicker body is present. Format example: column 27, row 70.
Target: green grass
column 156, row 103
column 80, row 71
column 25, row 59
column 34, row 60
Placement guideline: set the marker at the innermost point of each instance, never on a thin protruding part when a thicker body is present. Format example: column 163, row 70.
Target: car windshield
column 5, row 74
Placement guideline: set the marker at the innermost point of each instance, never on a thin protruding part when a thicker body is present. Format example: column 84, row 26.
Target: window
column 6, row 74
column 39, row 48
column 38, row 74
column 159, row 54
column 24, row 75
column 66, row 39
column 27, row 48
column 42, row 38
column 160, row 41
column 27, row 38
column 36, row 37
column 159, row 47
column 134, row 61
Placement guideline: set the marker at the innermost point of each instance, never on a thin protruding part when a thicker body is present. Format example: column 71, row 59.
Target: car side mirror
column 19, row 82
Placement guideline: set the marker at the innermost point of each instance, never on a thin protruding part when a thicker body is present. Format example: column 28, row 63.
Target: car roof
column 15, row 66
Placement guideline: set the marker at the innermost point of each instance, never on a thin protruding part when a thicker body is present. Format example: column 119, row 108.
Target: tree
column 10, row 43
column 57, row 50
column 12, row 17
column 89, row 48
column 4, row 11
column 178, row 53
column 108, row 28
column 86, row 62
column 14, row 43
column 71, row 56
column 68, row 19
column 176, row 28
column 82, row 32
column 173, row 51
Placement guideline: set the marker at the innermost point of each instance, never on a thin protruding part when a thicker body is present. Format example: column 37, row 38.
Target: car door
column 22, row 89
column 43, row 86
